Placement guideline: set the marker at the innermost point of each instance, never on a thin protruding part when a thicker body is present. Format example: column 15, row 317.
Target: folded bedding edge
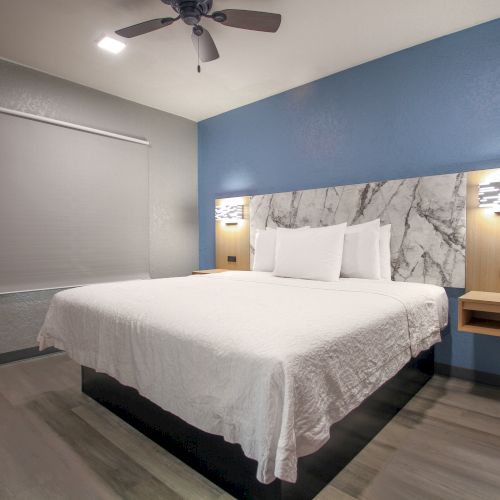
column 383, row 373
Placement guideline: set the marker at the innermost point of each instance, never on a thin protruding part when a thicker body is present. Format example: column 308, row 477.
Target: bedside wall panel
column 233, row 240
column 483, row 237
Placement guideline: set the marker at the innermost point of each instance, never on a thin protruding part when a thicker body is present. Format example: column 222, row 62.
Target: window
column 74, row 207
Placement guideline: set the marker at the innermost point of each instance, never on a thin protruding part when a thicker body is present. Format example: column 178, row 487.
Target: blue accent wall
column 430, row 109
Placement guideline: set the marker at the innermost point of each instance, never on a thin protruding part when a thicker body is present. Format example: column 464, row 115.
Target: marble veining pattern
column 427, row 216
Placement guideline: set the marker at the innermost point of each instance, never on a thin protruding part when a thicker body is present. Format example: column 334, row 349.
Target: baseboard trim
column 467, row 374
column 30, row 352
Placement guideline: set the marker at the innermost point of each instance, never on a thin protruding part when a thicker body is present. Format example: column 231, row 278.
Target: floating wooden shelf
column 479, row 312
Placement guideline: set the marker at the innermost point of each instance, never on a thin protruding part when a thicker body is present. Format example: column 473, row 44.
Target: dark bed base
column 226, row 465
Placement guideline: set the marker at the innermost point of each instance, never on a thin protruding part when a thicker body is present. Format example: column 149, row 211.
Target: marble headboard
column 427, row 215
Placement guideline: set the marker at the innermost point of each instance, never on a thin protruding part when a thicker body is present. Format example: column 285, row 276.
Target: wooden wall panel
column 233, row 240
column 483, row 237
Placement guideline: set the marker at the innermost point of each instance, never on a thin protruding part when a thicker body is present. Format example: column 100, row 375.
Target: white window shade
column 74, row 207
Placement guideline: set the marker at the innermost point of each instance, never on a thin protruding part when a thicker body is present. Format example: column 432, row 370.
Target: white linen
column 313, row 254
column 361, row 257
column 265, row 248
column 385, row 252
column 269, row 363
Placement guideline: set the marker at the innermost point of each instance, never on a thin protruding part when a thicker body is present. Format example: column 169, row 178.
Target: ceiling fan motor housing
column 191, row 11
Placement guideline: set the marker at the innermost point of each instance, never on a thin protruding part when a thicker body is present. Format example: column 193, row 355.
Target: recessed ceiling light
column 111, row 45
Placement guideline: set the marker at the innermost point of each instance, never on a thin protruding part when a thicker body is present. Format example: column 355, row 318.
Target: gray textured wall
column 173, row 178
column 21, row 317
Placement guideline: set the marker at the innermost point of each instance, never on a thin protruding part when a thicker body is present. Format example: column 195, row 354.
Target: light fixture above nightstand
column 229, row 214
column 489, row 196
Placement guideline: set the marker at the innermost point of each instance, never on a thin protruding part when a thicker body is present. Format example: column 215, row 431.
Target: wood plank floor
column 55, row 443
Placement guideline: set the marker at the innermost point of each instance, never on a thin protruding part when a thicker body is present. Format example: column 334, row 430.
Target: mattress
column 269, row 363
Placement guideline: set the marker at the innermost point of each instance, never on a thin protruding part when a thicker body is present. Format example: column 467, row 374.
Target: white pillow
column 265, row 248
column 361, row 257
column 385, row 252
column 314, row 254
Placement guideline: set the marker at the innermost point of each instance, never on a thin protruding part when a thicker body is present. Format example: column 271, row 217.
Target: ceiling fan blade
column 208, row 50
column 250, row 20
column 145, row 27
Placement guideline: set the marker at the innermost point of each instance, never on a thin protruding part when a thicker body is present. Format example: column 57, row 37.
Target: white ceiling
column 316, row 38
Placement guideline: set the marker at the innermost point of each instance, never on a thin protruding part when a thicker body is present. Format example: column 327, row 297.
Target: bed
column 243, row 374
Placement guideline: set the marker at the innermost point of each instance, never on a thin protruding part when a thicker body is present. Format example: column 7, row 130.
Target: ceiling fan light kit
column 193, row 11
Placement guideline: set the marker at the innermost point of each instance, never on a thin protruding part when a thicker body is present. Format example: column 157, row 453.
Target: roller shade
column 74, row 207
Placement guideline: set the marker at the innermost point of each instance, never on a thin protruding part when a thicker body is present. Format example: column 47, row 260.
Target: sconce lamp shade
column 489, row 196
column 229, row 212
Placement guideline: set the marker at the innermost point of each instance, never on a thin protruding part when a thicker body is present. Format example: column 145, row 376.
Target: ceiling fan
column 193, row 11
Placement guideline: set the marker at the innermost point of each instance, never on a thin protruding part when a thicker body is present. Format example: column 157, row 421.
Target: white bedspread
column 269, row 363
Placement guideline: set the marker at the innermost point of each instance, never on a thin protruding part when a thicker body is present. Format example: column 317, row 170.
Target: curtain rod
column 74, row 126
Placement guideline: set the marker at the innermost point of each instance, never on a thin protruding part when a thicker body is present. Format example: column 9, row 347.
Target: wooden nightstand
column 479, row 312
column 209, row 271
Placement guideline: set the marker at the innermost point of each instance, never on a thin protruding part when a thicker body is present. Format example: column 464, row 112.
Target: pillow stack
column 325, row 253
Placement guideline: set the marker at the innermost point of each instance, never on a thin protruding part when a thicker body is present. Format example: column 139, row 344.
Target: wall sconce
column 489, row 196
column 230, row 214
